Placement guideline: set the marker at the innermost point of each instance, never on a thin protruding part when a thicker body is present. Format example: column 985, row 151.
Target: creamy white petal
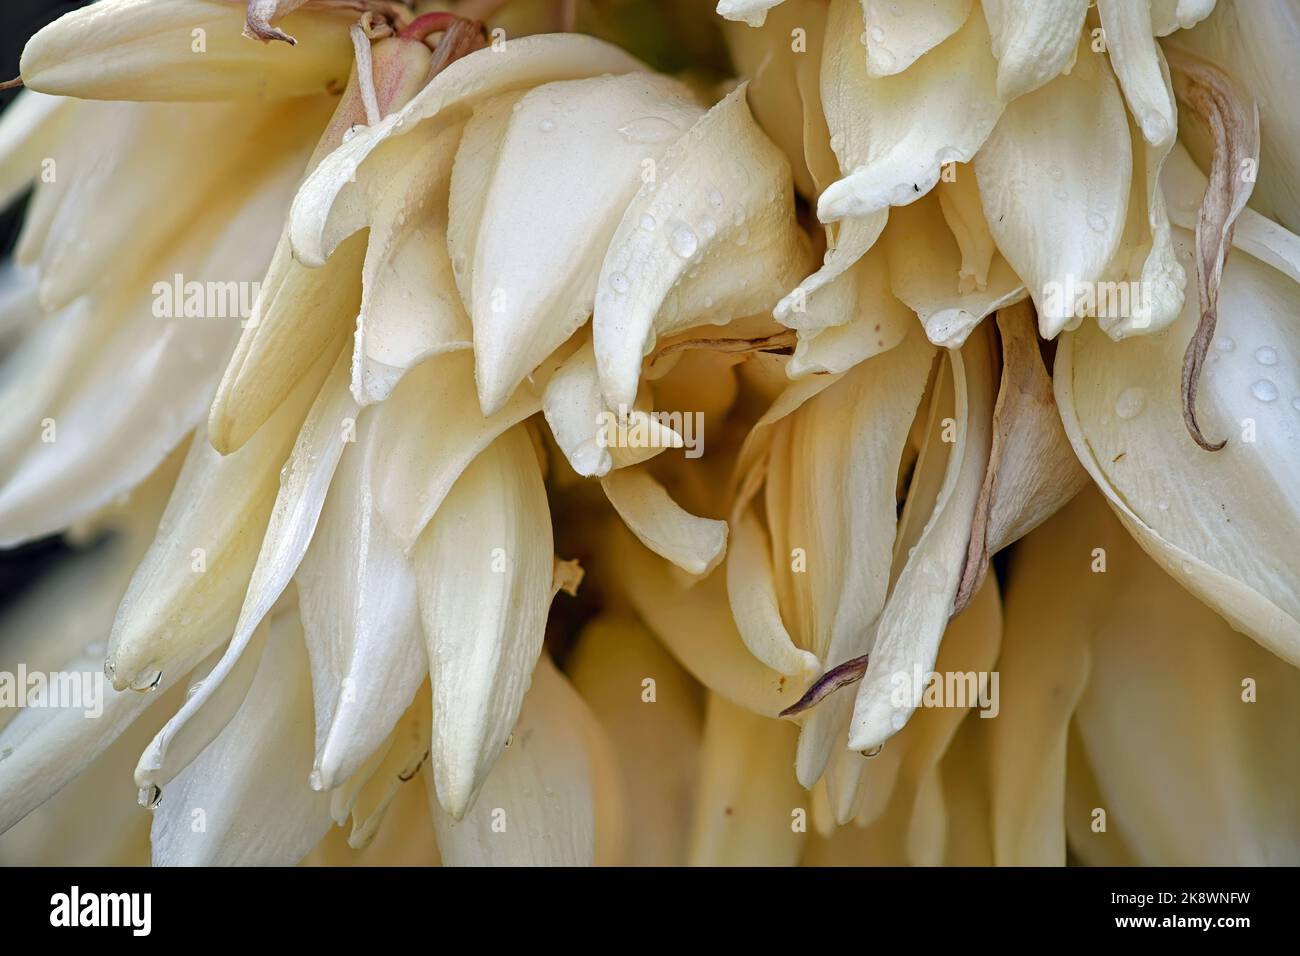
column 185, row 596
column 1139, row 67
column 30, row 128
column 249, row 787
column 484, row 569
column 897, row 33
column 553, row 799
column 1255, row 44
column 887, row 158
column 1228, row 535
column 357, row 597
column 712, row 238
column 926, row 273
column 183, row 50
column 435, row 398
column 1034, row 41
column 572, row 156
column 303, row 484
column 917, row 611
column 694, row 544
column 696, row 625
column 1054, row 179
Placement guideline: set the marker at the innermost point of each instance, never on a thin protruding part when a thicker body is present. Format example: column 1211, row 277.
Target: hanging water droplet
column 684, row 242
column 1266, row 356
column 1264, row 390
column 150, row 797
column 648, row 129
column 1224, row 344
column 877, row 35
column 618, row 282
column 1130, row 403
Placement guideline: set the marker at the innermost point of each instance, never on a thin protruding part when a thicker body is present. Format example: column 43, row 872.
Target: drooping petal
column 570, row 158
column 696, row 625
column 719, row 191
column 245, row 800
column 694, row 544
column 435, row 398
column 299, row 311
column 887, row 158
column 898, row 33
column 1227, row 536
column 1139, row 68
column 1034, row 41
column 553, row 799
column 357, row 597
column 484, row 568
column 1054, row 179
column 917, row 611
column 185, row 596
column 1032, row 469
column 926, row 273
column 304, row 481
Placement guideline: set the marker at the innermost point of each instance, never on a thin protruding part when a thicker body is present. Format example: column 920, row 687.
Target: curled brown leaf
column 1232, row 119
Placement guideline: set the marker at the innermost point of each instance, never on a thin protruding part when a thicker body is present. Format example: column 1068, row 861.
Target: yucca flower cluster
column 343, row 336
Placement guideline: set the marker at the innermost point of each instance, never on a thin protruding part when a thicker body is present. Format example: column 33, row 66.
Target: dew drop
column 708, row 228
column 648, row 223
column 1097, row 222
column 715, row 199
column 1130, row 403
column 1264, row 390
column 618, row 282
column 546, row 125
column 1266, row 356
column 1224, row 344
column 684, row 242
column 150, row 797
column 877, row 35
column 649, row 129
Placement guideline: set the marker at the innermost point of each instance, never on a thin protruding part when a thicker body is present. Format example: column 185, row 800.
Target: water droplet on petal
column 1224, row 344
column 715, row 199
column 1266, row 356
column 150, row 797
column 1264, row 390
column 1130, row 403
column 1097, row 222
column 546, row 125
column 649, row 129
column 618, row 282
column 684, row 242
column 648, row 223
